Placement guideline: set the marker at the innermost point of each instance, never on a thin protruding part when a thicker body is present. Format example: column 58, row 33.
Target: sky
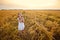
column 29, row 4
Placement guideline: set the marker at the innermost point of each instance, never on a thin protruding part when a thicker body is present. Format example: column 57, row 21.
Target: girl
column 21, row 25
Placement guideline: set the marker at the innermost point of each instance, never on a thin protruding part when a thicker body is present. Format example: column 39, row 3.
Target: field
column 39, row 25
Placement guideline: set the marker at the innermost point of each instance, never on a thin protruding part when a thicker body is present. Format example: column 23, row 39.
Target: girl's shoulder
column 17, row 18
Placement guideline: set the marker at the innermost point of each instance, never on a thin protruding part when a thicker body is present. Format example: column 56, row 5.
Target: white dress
column 21, row 25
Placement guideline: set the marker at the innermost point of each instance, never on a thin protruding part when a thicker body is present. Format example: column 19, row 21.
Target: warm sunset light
column 31, row 4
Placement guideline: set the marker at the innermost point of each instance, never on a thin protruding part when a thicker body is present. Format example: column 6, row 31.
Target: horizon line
column 31, row 9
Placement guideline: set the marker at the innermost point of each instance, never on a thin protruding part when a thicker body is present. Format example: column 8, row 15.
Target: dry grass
column 39, row 25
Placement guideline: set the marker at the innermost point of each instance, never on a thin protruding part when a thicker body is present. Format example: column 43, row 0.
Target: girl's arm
column 21, row 20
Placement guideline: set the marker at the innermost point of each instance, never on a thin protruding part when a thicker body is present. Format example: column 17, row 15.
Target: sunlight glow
column 28, row 3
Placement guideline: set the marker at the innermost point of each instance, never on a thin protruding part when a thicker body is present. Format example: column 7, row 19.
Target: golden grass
column 39, row 25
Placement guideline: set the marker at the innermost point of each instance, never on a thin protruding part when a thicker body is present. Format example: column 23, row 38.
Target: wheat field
column 39, row 25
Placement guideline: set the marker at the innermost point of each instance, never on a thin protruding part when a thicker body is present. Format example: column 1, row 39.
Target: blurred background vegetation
column 39, row 25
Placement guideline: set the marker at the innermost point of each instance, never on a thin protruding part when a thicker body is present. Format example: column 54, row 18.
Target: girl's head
column 19, row 14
